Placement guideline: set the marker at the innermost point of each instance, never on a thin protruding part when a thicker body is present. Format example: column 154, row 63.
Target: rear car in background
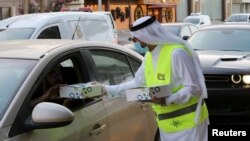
column 24, row 66
column 198, row 19
column 224, row 52
column 238, row 18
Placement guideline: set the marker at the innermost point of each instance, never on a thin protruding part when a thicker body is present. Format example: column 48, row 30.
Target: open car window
column 112, row 67
column 65, row 72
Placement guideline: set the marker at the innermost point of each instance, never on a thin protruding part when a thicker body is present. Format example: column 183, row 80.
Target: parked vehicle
column 238, row 18
column 83, row 9
column 198, row 19
column 224, row 53
column 58, row 25
column 24, row 64
column 183, row 30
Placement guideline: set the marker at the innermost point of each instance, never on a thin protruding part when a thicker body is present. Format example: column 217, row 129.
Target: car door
column 128, row 121
column 89, row 124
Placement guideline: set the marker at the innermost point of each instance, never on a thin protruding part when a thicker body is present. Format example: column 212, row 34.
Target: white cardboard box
column 146, row 93
column 138, row 94
column 81, row 90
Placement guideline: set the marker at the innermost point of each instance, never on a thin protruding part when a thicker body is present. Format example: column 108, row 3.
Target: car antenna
column 8, row 25
column 76, row 28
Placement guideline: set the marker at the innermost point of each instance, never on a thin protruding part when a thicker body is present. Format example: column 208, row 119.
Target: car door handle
column 97, row 129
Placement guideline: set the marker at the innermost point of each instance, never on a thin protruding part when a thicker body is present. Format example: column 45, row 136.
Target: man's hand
column 178, row 98
column 161, row 101
column 104, row 91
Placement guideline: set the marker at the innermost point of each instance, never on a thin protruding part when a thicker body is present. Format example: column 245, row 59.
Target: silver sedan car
column 24, row 65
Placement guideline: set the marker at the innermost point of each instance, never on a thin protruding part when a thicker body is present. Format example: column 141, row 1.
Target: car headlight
column 246, row 79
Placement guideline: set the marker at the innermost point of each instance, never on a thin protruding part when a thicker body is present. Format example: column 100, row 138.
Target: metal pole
column 42, row 8
column 129, row 19
column 26, row 7
column 99, row 5
column 81, row 2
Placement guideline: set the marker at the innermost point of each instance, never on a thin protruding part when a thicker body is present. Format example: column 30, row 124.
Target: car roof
column 195, row 17
column 35, row 19
column 180, row 23
column 37, row 48
column 240, row 14
column 227, row 26
column 105, row 12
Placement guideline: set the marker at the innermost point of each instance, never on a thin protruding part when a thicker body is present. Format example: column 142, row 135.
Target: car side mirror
column 201, row 23
column 185, row 37
column 50, row 115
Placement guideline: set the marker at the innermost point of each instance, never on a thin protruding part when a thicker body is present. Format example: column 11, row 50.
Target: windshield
column 221, row 39
column 15, row 33
column 193, row 20
column 238, row 18
column 173, row 29
column 12, row 74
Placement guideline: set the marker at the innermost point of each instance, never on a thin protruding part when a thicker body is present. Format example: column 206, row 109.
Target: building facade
column 8, row 8
column 125, row 12
column 240, row 6
column 218, row 10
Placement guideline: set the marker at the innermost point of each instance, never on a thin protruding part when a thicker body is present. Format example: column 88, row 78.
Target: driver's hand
column 53, row 92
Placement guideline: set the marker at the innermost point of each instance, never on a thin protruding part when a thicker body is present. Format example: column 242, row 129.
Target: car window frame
column 55, row 28
column 191, row 27
column 130, row 59
column 58, row 25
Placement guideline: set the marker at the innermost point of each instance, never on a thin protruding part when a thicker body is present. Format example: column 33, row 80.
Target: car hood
column 224, row 61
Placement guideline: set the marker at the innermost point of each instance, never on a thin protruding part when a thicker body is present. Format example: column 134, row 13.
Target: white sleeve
column 140, row 76
column 184, row 68
column 114, row 91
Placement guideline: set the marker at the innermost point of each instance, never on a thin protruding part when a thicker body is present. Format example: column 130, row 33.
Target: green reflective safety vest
column 175, row 117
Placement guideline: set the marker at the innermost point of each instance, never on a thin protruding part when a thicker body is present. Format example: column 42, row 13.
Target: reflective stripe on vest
column 173, row 117
column 179, row 112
